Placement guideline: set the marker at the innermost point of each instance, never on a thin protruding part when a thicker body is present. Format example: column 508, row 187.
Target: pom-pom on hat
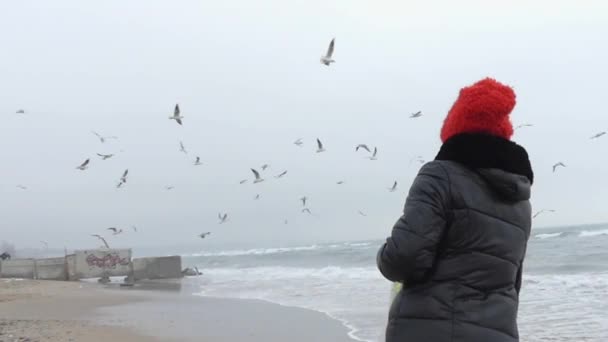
column 483, row 107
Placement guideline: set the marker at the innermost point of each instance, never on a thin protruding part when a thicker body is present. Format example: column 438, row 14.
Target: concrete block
column 157, row 267
column 98, row 263
column 51, row 269
column 19, row 268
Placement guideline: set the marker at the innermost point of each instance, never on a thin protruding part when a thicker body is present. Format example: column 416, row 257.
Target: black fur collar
column 482, row 151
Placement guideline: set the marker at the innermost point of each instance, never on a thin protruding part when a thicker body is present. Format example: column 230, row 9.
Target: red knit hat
column 483, row 107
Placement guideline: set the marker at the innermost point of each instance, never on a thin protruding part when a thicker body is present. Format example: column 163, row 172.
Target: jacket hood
column 503, row 164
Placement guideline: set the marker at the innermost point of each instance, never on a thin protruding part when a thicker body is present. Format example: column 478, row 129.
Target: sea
column 564, row 295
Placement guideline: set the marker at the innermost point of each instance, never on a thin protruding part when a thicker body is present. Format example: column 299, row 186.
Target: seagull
column 178, row 118
column 204, row 235
column 598, row 135
column 102, row 138
column 198, row 161
column 115, row 231
column 84, row 165
column 363, row 146
column 418, row 159
column 298, row 142
column 258, row 179
column 265, row 166
column 393, row 188
column 373, row 157
column 306, row 210
column 361, row 213
column 223, row 218
column 257, row 197
column 280, row 175
column 523, row 125
column 170, row 187
column 46, row 245
column 102, row 239
column 119, row 185
column 416, row 115
column 123, row 179
column 105, row 156
column 556, row 165
column 340, row 182
column 134, row 228
column 243, row 181
column 303, row 199
column 22, row 187
column 20, row 111
column 320, row 146
column 182, row 148
column 543, row 211
column 286, row 222
column 327, row 59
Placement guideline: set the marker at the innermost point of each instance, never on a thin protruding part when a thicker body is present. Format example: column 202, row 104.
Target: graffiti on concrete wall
column 110, row 260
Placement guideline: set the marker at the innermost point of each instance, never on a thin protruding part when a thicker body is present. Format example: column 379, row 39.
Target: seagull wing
column 375, row 151
column 319, row 144
column 113, row 229
column 256, row 173
column 330, row 49
column 363, row 146
column 124, row 174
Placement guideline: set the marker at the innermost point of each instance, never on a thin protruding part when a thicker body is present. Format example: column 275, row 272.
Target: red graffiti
column 107, row 261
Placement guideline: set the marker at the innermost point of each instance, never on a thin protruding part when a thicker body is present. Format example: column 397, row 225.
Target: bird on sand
column 373, row 156
column 598, row 135
column 102, row 239
column 182, row 148
column 20, row 111
column 280, row 175
column 523, row 125
column 22, row 187
column 298, row 142
column 543, row 211
column 363, row 146
column 204, row 235
column 559, row 164
column 105, row 156
column 223, row 218
column 306, row 210
column 115, row 231
column 197, row 162
column 416, row 115
column 304, row 199
column 320, row 147
column 258, row 179
column 84, row 165
column 176, row 115
column 102, row 138
column 327, row 58
column 393, row 188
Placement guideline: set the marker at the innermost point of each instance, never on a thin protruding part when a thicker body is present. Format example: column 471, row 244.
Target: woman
column 460, row 245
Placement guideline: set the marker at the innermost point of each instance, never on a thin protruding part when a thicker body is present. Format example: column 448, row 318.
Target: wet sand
column 72, row 311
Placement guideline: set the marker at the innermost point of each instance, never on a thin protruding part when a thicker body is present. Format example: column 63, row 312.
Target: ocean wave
column 255, row 251
column 547, row 235
column 588, row 233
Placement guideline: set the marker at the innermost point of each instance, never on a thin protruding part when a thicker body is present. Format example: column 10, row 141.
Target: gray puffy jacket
column 460, row 244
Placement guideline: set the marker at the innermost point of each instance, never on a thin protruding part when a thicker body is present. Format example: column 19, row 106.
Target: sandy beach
column 32, row 310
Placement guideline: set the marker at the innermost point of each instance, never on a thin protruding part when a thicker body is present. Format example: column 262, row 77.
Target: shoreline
column 151, row 311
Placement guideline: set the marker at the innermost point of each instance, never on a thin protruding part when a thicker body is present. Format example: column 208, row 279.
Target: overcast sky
column 248, row 80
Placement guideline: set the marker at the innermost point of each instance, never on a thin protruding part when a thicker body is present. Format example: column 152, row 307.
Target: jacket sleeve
column 409, row 253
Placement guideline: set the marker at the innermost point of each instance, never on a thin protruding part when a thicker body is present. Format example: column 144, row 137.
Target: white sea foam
column 588, row 233
column 547, row 235
column 255, row 251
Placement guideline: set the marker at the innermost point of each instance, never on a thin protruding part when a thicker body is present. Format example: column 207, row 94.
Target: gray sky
column 248, row 79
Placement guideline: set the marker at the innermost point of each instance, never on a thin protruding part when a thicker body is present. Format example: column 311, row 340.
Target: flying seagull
column 373, row 156
column 176, row 115
column 102, row 138
column 304, row 199
column 204, row 235
column 361, row 213
column 22, row 187
column 84, row 165
column 134, row 228
column 523, row 125
column 280, row 175
column 105, row 156
column 320, row 146
column 543, row 211
column 298, row 142
column 46, row 245
column 182, row 148
column 20, row 111
column 258, row 179
column 418, row 159
column 306, row 210
column 327, row 59
column 340, row 182
column 102, row 239
column 115, row 231
column 393, row 188
column 598, row 135
column 556, row 165
column 198, row 161
column 243, row 181
column 257, row 197
column 363, row 146
column 123, row 178
column 170, row 187
column 223, row 218
column 264, row 167
column 416, row 115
